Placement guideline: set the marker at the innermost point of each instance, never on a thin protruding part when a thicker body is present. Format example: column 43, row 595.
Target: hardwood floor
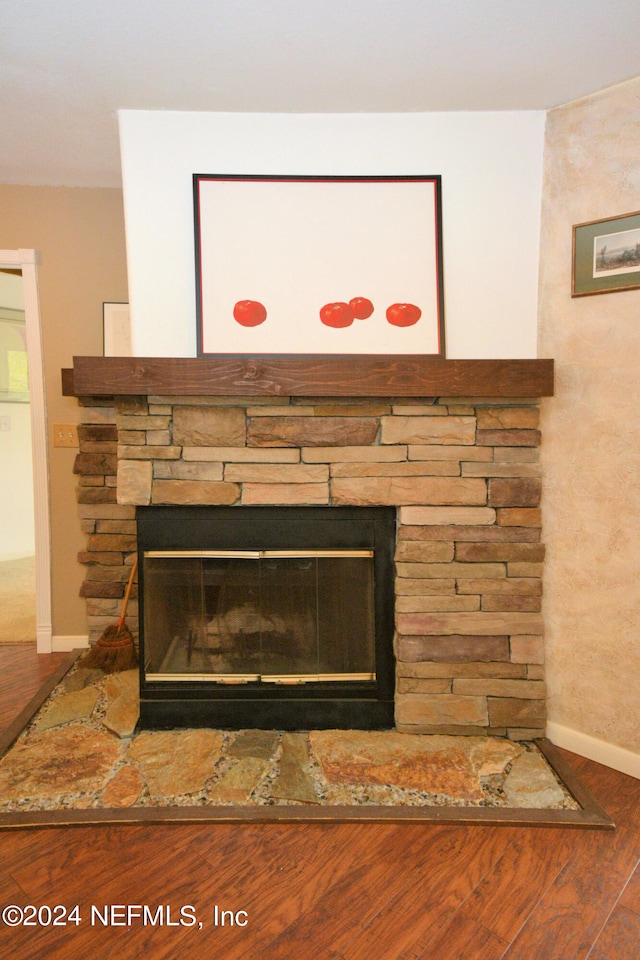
column 22, row 673
column 334, row 891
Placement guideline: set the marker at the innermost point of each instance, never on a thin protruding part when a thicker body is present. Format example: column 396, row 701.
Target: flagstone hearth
column 76, row 754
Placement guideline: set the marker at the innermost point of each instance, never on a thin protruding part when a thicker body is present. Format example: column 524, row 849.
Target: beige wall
column 79, row 234
column 591, row 431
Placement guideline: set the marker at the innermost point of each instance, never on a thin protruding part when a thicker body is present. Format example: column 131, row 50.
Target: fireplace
column 450, row 447
column 270, row 617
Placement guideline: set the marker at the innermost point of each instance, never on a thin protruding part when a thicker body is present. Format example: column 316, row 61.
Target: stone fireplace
column 461, row 472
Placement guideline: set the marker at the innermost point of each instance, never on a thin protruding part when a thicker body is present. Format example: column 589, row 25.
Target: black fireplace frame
column 359, row 704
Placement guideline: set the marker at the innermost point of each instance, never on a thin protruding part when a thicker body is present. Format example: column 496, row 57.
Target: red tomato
column 361, row 307
column 403, row 314
column 336, row 315
column 249, row 313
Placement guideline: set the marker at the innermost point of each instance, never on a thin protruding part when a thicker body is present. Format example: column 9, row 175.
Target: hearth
column 272, row 617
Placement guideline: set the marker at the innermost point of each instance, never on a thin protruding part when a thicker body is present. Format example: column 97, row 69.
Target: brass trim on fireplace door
column 231, row 678
column 255, row 554
column 314, row 677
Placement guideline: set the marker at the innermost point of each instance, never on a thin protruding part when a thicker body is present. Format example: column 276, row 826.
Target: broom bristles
column 115, row 651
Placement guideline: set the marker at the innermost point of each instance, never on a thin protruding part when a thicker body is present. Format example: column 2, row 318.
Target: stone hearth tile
column 57, row 763
column 176, row 762
column 438, row 764
column 82, row 678
column 492, row 755
column 122, row 716
column 260, row 744
column 531, row 784
column 294, row 783
column 125, row 682
column 77, row 705
column 124, row 788
column 239, row 782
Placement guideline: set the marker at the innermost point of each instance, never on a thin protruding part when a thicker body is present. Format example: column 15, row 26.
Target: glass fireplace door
column 259, row 616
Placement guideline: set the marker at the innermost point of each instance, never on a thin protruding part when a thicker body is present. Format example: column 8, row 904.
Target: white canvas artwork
column 305, row 265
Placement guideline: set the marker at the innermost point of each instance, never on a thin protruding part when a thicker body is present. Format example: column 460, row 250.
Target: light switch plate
column 65, row 435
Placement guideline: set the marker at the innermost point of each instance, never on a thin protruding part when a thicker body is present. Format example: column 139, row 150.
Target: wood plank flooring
column 334, row 891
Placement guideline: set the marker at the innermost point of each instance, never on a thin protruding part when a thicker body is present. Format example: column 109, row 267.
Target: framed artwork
column 318, row 265
column 14, row 374
column 116, row 330
column 606, row 255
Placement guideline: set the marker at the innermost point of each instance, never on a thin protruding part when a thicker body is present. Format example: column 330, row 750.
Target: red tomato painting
column 336, row 315
column 403, row 314
column 250, row 313
column 361, row 308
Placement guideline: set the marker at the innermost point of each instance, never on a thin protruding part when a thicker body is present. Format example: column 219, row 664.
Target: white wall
column 491, row 168
column 17, row 537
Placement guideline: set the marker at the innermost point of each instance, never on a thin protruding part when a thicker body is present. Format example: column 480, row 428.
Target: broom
column 115, row 650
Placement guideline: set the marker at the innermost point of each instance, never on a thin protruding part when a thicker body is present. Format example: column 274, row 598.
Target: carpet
column 75, row 755
column 18, row 600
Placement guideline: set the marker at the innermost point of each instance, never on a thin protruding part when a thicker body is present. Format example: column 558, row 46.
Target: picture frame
column 116, row 325
column 318, row 265
column 606, row 255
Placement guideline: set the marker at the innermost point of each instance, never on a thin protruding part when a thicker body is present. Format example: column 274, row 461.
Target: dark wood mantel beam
column 313, row 376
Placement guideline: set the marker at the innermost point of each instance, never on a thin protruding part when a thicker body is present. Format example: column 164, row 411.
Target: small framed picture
column 606, row 255
column 117, row 330
column 318, row 265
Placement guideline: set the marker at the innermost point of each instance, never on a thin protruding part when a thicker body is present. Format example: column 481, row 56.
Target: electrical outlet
column 65, row 435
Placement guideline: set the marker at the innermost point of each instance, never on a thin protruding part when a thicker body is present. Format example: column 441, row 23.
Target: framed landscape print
column 606, row 255
column 318, row 265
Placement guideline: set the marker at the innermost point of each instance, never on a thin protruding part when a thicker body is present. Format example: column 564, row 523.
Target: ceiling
column 67, row 66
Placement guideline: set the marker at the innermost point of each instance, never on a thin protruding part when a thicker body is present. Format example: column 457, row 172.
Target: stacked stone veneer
column 465, row 478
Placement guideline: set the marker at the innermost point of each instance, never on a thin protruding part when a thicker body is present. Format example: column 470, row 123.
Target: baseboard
column 43, row 637
column 62, row 644
column 593, row 749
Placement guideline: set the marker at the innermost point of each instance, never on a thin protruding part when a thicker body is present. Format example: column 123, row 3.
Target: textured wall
column 591, row 429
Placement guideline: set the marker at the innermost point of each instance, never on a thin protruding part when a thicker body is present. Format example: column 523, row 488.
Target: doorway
column 23, row 423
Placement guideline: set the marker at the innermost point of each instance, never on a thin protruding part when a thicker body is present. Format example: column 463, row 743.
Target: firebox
column 267, row 617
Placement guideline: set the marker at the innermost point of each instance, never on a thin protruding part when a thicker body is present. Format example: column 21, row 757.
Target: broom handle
column 128, row 593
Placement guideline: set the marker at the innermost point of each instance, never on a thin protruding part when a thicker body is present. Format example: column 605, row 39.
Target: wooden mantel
column 313, row 376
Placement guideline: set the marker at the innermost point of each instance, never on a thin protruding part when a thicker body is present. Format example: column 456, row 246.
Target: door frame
column 27, row 262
